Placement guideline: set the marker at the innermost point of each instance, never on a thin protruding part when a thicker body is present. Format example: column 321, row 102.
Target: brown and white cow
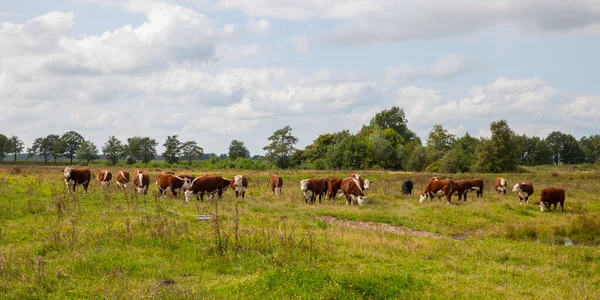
column 524, row 189
column 438, row 188
column 501, row 184
column 174, row 183
column 275, row 183
column 239, row 184
column 552, row 195
column 313, row 187
column 141, row 182
column 207, row 184
column 475, row 185
column 73, row 177
column 122, row 179
column 364, row 183
column 333, row 186
column 351, row 187
column 104, row 176
column 461, row 188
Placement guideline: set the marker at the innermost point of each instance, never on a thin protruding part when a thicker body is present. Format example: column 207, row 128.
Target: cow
column 275, row 183
column 407, row 187
column 104, row 176
column 122, row 179
column 364, row 183
column 333, row 186
column 311, row 188
column 461, row 188
column 438, row 188
column 77, row 176
column 501, row 184
column 552, row 195
column 141, row 182
column 207, row 184
column 166, row 181
column 475, row 185
column 351, row 188
column 239, row 184
column 524, row 189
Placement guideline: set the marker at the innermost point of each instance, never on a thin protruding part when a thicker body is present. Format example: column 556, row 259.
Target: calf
column 524, row 189
column 352, row 190
column 438, row 188
column 77, row 176
column 141, row 182
column 475, row 185
column 122, row 179
column 104, row 176
column 275, row 183
column 552, row 195
column 407, row 187
column 239, row 184
column 500, row 185
column 166, row 181
column 333, row 186
column 311, row 188
column 207, row 184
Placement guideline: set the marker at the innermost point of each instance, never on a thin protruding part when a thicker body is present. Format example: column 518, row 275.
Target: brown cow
column 275, row 183
column 104, row 176
column 524, row 189
column 239, row 184
column 501, row 184
column 141, row 182
column 207, row 184
column 175, row 183
column 461, row 188
column 552, row 195
column 475, row 185
column 364, row 183
column 311, row 188
column 351, row 188
column 122, row 179
column 333, row 186
column 77, row 176
column 438, row 188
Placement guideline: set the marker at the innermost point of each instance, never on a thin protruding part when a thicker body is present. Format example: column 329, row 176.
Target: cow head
column 362, row 200
column 67, row 172
column 304, row 184
column 238, row 183
column 544, row 206
column 366, row 184
column 186, row 183
column 188, row 195
column 517, row 188
column 226, row 183
column 502, row 182
column 422, row 197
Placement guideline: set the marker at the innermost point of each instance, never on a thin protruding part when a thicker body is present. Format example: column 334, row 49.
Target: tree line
column 385, row 143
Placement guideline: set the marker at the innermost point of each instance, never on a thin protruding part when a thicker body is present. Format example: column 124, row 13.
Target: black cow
column 407, row 187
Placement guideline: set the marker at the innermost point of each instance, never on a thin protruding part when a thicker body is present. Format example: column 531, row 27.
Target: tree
column 591, row 148
column 191, row 151
column 439, row 142
column 4, row 147
column 383, row 153
column 15, row 146
column 281, row 146
column 501, row 152
column 555, row 142
column 238, row 149
column 534, row 151
column 565, row 148
column 393, row 118
column 114, row 150
column 139, row 148
column 42, row 146
column 172, row 149
column 416, row 160
column 87, row 151
column 57, row 146
column 72, row 141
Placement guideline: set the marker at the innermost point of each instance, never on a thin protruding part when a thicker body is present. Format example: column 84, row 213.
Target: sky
column 217, row 70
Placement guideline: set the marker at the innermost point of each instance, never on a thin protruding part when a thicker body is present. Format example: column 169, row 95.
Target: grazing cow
column 239, row 184
column 122, row 179
column 438, row 188
column 351, row 188
column 207, row 184
column 141, row 182
column 461, row 188
column 77, row 176
column 364, row 183
column 311, row 188
column 407, row 187
column 475, row 185
column 333, row 186
column 552, row 195
column 175, row 183
column 275, row 183
column 524, row 190
column 434, row 178
column 104, row 176
column 501, row 184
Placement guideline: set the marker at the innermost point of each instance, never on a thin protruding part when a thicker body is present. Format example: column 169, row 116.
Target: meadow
column 111, row 244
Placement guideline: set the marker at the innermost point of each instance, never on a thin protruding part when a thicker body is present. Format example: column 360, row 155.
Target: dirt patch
column 376, row 226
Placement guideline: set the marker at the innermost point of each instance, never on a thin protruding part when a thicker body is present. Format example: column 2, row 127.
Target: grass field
column 112, row 244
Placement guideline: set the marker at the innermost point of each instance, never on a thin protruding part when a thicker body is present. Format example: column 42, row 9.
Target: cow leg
column 236, row 194
column 320, row 197
column 174, row 192
column 465, row 196
column 348, row 200
column 220, row 194
column 243, row 194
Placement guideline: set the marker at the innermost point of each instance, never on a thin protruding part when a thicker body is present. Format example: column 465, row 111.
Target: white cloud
column 446, row 67
column 261, row 26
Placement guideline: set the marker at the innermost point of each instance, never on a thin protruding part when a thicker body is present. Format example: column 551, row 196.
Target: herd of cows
column 353, row 186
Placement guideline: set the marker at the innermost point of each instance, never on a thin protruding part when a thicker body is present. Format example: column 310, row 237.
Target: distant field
column 112, row 244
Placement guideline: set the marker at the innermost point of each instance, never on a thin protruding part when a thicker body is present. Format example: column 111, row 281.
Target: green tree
column 4, row 147
column 57, row 146
column 501, row 152
column 534, row 151
column 237, row 149
column 565, row 148
column 356, row 153
column 591, row 148
column 87, row 151
column 114, row 150
column 71, row 141
column 439, row 141
column 383, row 153
column 15, row 146
column 172, row 149
column 191, row 151
column 461, row 158
column 140, row 148
column 281, row 146
column 393, row 118
column 417, row 159
column 42, row 146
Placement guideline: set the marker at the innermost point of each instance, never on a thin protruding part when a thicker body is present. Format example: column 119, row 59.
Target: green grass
column 110, row 244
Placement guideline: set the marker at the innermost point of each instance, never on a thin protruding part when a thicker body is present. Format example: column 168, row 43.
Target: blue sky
column 217, row 70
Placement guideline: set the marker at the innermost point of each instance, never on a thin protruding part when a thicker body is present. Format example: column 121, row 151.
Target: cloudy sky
column 217, row 70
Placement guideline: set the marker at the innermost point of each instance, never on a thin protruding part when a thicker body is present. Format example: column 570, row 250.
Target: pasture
column 113, row 244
